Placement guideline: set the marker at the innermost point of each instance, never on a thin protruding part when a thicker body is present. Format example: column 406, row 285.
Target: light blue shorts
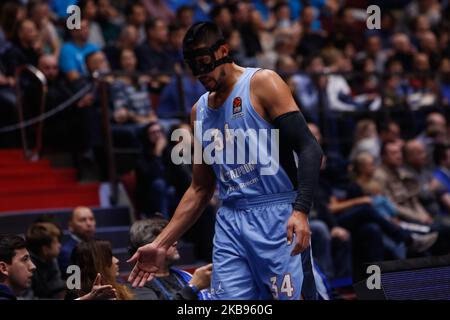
column 251, row 257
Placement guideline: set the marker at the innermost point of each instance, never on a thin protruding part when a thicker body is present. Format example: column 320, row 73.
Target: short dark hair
column 217, row 10
column 41, row 234
column 440, row 152
column 129, row 8
column 207, row 33
column 151, row 23
column 9, row 243
column 143, row 232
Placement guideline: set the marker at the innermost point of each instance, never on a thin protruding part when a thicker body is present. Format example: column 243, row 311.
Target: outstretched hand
column 148, row 260
column 298, row 224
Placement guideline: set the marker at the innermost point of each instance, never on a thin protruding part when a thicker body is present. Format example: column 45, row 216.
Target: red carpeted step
column 32, row 186
column 26, row 174
column 52, row 197
column 23, row 164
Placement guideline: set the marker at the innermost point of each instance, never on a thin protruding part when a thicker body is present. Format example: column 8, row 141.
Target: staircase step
column 17, row 222
column 26, row 176
column 15, row 163
column 51, row 198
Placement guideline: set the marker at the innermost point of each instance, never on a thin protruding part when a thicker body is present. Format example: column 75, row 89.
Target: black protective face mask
column 202, row 60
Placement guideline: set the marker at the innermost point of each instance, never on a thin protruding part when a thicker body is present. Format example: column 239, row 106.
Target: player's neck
column 232, row 73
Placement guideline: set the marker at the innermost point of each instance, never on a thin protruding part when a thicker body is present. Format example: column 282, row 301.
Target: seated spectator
column 81, row 228
column 366, row 139
column 89, row 12
column 153, row 54
column 74, row 52
column 39, row 12
column 442, row 160
column 136, row 15
column 131, row 101
column 435, row 132
column 11, row 13
column 128, row 39
column 393, row 179
column 26, row 47
column 98, row 266
column 16, row 267
column 43, row 243
column 445, row 81
column 169, row 283
column 110, row 20
column 431, row 193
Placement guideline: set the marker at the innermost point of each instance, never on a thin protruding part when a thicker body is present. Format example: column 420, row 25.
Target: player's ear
column 224, row 49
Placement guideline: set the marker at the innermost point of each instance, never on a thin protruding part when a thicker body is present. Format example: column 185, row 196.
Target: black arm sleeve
column 296, row 136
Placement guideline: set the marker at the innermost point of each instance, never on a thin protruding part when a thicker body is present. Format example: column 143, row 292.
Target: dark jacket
column 6, row 293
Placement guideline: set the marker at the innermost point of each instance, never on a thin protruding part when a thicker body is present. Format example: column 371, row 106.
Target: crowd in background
column 376, row 99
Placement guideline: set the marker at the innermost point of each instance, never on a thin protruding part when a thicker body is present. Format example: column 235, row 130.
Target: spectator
column 152, row 189
column 59, row 130
column 43, row 243
column 390, row 131
column 153, row 54
column 81, row 228
column 16, row 267
column 393, row 179
column 169, row 283
column 131, row 101
column 136, row 16
column 39, row 12
column 89, row 12
column 374, row 50
column 221, row 15
column 128, row 39
column 26, row 47
column 74, row 52
column 366, row 139
column 445, row 82
column 442, row 160
column 176, row 35
column 185, row 16
column 11, row 14
column 110, row 20
column 430, row 191
column 94, row 257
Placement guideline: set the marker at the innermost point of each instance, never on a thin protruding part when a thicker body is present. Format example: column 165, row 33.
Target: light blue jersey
column 251, row 257
column 240, row 179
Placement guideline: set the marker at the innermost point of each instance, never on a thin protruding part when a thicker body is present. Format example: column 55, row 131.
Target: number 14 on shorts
column 285, row 288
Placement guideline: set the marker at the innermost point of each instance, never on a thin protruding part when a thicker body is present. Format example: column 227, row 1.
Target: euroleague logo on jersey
column 237, row 105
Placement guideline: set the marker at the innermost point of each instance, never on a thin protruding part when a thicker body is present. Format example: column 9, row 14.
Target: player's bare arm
column 148, row 258
column 273, row 100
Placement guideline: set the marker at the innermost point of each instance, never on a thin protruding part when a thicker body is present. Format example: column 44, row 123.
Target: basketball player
column 262, row 225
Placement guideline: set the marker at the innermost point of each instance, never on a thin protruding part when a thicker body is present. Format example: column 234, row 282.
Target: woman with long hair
column 95, row 257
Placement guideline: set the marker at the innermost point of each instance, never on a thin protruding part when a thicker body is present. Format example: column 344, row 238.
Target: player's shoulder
column 262, row 76
column 264, row 80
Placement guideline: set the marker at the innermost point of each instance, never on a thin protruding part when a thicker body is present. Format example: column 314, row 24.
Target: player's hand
column 149, row 259
column 202, row 277
column 298, row 224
